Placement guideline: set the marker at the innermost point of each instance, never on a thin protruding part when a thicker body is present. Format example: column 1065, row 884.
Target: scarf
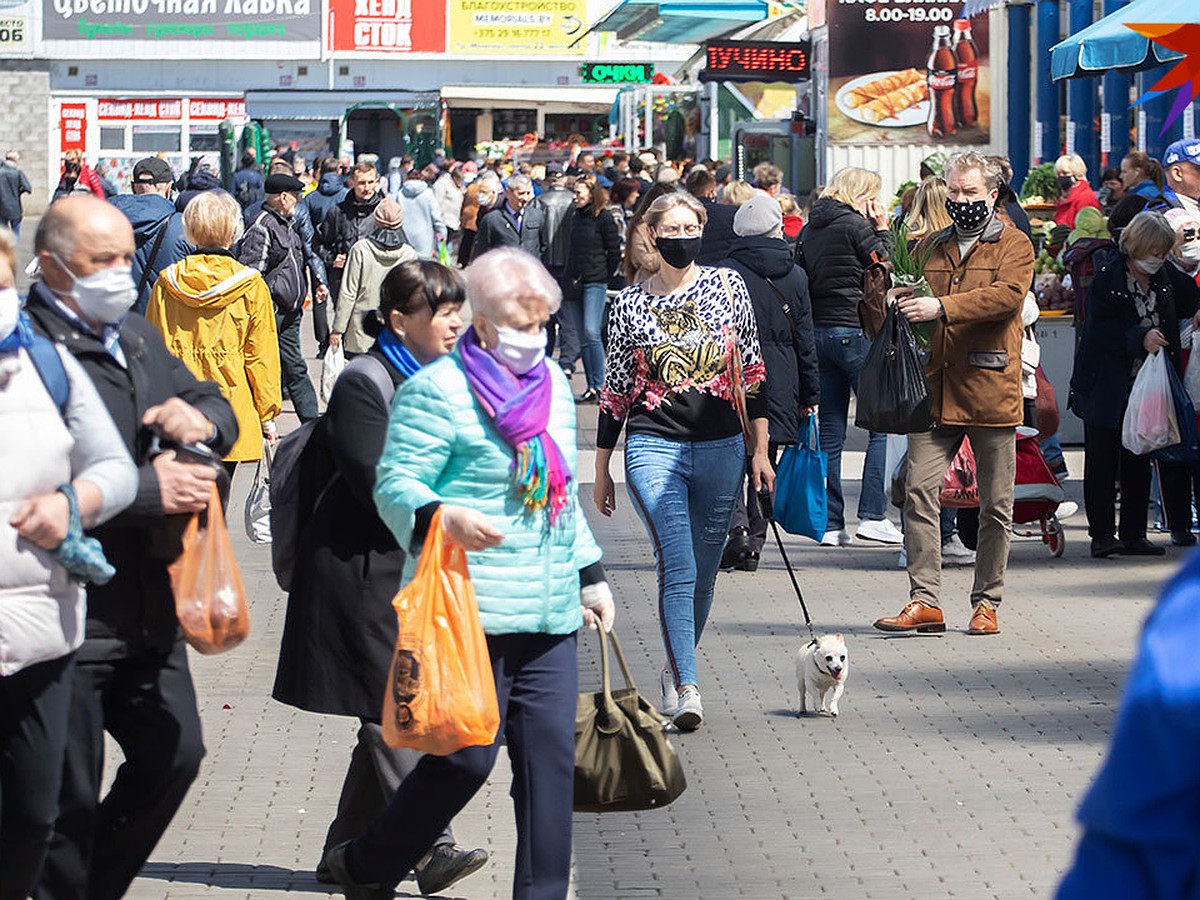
column 396, row 353
column 519, row 406
column 21, row 336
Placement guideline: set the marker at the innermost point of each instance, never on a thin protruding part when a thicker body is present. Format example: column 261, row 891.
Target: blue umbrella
column 1107, row 45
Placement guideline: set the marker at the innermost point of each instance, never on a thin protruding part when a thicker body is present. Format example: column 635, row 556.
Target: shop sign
column 910, row 73
column 616, row 73
column 14, row 28
column 517, row 27
column 73, row 126
column 757, row 61
column 386, row 26
column 209, row 109
column 142, row 109
column 99, row 21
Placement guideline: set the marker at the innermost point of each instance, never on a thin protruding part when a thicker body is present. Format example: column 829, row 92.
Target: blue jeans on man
column 841, row 353
column 586, row 319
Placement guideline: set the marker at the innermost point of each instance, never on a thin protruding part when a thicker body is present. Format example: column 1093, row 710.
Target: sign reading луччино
column 757, row 61
column 181, row 20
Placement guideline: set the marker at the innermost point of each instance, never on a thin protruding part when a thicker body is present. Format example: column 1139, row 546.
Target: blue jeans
column 586, row 318
column 841, row 353
column 684, row 493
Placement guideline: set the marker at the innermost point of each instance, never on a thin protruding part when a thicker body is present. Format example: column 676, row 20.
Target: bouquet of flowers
column 908, row 270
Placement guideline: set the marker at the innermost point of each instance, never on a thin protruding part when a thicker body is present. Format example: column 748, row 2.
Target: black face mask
column 679, row 253
column 968, row 216
column 1065, row 183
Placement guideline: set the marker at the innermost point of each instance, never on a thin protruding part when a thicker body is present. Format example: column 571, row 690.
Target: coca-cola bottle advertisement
column 907, row 73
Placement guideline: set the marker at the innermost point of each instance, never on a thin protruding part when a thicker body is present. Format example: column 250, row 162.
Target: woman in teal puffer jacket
column 488, row 435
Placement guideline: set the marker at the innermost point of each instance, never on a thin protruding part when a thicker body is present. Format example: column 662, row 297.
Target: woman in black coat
column 1134, row 306
column 341, row 629
column 783, row 312
column 594, row 254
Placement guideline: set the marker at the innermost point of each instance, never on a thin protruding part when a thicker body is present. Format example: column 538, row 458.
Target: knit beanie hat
column 388, row 214
column 758, row 215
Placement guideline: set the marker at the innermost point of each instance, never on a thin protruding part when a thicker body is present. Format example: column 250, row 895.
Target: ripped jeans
column 684, row 492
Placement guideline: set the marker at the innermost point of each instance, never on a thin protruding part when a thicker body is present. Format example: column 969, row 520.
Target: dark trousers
column 376, row 771
column 746, row 513
column 320, row 317
column 570, row 347
column 1105, row 461
column 34, row 705
column 1180, row 482
column 537, row 686
column 295, row 368
column 148, row 705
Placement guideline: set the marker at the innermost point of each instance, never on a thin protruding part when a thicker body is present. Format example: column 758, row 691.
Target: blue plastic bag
column 801, row 506
column 1188, row 448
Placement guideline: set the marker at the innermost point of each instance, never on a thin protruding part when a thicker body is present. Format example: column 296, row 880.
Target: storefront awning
column 679, row 21
column 329, row 105
column 599, row 96
column 1109, row 45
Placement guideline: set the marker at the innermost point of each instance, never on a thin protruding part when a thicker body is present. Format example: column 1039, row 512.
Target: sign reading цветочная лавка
column 181, row 20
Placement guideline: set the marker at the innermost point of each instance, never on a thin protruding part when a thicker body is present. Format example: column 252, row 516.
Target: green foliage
column 1040, row 182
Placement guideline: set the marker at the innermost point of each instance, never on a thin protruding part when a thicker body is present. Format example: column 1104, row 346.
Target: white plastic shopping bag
column 1150, row 421
column 258, row 502
column 331, row 368
column 1191, row 375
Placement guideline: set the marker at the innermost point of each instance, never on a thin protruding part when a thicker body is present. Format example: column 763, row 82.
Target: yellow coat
column 217, row 316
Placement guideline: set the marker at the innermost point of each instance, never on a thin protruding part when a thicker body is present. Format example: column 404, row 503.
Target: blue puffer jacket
column 441, row 446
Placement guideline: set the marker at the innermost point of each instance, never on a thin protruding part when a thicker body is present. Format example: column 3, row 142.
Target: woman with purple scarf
column 488, row 435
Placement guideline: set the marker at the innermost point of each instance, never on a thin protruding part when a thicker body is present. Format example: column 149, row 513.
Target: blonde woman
column 928, row 213
column 846, row 228
column 1074, row 192
column 737, row 192
column 216, row 315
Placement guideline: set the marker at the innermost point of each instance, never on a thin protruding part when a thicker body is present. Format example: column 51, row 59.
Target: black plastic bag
column 893, row 395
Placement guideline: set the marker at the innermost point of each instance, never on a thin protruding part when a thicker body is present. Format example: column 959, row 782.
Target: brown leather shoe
column 983, row 621
column 916, row 616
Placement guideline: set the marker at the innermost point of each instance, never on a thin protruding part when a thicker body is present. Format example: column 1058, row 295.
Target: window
column 112, row 138
column 205, row 138
column 155, row 139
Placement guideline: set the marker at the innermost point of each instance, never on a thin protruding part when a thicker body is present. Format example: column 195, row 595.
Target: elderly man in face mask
column 131, row 678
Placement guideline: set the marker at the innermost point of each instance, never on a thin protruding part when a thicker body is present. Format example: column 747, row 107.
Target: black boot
column 737, row 548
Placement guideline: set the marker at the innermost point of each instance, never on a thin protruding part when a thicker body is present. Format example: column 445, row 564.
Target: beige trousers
column 929, row 455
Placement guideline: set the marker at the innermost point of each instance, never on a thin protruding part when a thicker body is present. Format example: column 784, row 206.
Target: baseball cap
column 152, row 170
column 1183, row 151
column 280, row 183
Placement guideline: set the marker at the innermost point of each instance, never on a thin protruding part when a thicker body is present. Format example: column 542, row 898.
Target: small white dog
column 821, row 669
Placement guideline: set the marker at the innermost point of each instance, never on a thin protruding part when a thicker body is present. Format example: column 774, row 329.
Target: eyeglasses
column 674, row 231
column 1190, row 234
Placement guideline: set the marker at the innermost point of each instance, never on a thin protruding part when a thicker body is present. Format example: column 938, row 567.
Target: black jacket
column 302, row 222
column 136, row 610
column 498, row 228
column 343, row 226
column 273, row 246
column 595, row 246
column 557, row 203
column 718, row 236
column 1110, row 346
column 835, row 246
column 785, row 329
column 340, row 629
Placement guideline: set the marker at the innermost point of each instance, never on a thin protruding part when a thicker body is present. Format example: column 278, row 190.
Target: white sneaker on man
column 837, row 539
column 881, row 531
column 1066, row 509
column 956, row 553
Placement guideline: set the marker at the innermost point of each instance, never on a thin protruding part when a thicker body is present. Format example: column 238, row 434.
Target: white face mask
column 519, row 351
column 10, row 311
column 1189, row 254
column 103, row 296
column 1149, row 266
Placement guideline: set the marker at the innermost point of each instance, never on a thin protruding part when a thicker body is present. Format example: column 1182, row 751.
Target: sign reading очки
column 616, row 73
column 757, row 61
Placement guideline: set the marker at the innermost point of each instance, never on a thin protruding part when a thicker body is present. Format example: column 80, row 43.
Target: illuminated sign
column 757, row 61
column 616, row 73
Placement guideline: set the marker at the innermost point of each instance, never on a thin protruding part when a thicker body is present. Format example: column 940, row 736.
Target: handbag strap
column 784, row 305
column 737, row 375
column 812, row 434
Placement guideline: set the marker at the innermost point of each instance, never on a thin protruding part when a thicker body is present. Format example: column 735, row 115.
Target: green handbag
column 623, row 760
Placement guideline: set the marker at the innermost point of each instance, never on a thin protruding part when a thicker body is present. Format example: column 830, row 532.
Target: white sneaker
column 841, row 538
column 1066, row 510
column 956, row 553
column 689, row 714
column 880, row 530
column 670, row 697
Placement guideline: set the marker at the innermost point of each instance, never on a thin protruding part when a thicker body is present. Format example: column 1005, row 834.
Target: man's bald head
column 87, row 235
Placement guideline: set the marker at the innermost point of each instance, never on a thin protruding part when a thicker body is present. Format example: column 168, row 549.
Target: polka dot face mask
column 968, row 216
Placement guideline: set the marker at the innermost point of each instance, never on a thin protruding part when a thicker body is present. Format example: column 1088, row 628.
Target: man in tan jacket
column 980, row 270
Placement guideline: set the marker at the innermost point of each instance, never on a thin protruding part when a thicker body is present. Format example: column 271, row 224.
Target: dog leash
column 768, row 511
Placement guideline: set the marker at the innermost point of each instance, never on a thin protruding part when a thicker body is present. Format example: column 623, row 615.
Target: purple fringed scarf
column 520, row 408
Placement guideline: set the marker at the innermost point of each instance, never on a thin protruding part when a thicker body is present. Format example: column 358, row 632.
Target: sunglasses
column 1189, row 234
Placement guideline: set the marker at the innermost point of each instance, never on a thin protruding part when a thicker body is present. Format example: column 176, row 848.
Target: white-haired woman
column 1074, row 192
column 458, row 429
column 216, row 315
column 682, row 354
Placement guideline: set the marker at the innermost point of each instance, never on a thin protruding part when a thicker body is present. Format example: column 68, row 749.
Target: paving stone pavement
column 952, row 772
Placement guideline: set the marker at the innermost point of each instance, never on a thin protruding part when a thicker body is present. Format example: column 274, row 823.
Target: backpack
column 300, row 477
column 244, row 192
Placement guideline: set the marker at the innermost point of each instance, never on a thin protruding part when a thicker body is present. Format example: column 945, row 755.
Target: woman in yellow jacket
column 216, row 315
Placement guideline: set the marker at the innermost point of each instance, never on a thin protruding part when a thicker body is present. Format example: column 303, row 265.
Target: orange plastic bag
column 441, row 694
column 210, row 598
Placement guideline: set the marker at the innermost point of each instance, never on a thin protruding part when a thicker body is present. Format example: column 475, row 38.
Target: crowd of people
column 712, row 318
